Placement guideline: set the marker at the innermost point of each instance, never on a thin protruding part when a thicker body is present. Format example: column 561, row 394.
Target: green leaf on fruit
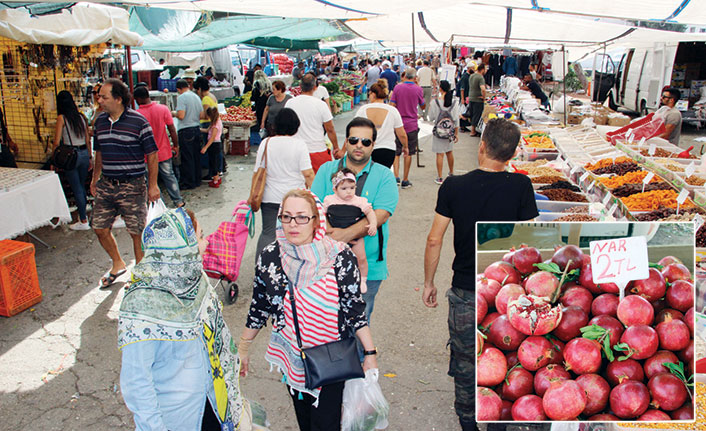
column 551, row 339
column 656, row 266
column 678, row 370
column 549, row 267
column 600, row 334
column 507, row 375
column 623, row 347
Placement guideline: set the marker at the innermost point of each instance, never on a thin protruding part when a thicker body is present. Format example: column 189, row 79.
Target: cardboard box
column 619, row 120
column 574, row 118
column 601, row 119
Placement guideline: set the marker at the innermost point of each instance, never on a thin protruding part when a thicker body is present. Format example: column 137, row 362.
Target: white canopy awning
column 83, row 24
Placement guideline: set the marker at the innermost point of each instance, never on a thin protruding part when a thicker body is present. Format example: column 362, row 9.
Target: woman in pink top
column 343, row 208
column 214, row 147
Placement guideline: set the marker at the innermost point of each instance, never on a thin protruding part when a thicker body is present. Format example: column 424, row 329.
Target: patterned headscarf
column 307, row 263
column 263, row 81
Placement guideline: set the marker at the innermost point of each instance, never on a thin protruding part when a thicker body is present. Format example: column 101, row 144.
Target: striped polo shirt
column 123, row 144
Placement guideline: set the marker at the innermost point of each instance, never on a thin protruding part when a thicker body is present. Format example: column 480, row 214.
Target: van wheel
column 643, row 109
column 611, row 103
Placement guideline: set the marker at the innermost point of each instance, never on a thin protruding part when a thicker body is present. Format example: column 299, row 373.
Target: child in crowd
column 214, row 147
column 343, row 208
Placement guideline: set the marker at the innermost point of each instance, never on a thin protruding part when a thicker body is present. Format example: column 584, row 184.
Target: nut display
column 579, row 209
column 661, row 152
column 665, row 214
column 576, row 217
column 563, row 195
column 559, row 347
column 546, row 179
column 693, row 180
column 540, row 170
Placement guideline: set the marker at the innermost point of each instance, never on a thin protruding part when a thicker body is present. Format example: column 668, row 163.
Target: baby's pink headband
column 342, row 177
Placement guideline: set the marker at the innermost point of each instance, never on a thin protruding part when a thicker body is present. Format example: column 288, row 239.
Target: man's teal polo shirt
column 380, row 189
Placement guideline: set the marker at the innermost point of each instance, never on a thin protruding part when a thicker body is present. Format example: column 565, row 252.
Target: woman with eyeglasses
column 387, row 120
column 288, row 166
column 325, row 280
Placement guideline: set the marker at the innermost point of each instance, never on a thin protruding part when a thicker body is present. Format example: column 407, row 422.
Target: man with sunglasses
column 377, row 184
column 672, row 116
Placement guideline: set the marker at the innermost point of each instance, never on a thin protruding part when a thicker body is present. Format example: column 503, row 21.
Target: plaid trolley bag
column 226, row 247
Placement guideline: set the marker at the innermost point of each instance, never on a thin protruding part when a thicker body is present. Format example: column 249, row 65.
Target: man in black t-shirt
column 533, row 86
column 495, row 195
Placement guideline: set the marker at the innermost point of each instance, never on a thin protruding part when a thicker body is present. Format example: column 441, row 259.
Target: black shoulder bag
column 328, row 363
column 65, row 156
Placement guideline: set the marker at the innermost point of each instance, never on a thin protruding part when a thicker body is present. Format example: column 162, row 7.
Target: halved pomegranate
column 533, row 315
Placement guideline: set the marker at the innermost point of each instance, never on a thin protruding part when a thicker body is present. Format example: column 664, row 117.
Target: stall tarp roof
column 82, row 24
column 183, row 31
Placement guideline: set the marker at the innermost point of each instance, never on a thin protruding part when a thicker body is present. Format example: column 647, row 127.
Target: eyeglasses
column 95, row 92
column 365, row 141
column 300, row 219
column 666, row 97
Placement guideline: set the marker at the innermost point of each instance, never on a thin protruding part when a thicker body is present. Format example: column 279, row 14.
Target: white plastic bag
column 364, row 406
column 155, row 209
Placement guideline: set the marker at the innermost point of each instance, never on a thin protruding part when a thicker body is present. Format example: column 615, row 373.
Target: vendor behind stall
column 8, row 149
column 672, row 116
column 531, row 85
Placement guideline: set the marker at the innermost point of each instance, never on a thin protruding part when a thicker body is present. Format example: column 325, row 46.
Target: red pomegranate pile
column 555, row 346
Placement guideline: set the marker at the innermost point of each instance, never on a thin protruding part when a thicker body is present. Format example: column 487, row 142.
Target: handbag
column 257, row 189
column 328, row 363
column 65, row 156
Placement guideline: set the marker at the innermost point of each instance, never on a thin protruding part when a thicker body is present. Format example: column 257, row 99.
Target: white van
column 635, row 80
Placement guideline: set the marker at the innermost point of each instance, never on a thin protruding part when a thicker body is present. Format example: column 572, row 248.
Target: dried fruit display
column 547, row 179
column 630, row 189
column 650, row 201
column 558, row 347
column 563, row 195
column 618, row 169
column 608, row 162
column 694, row 180
column 629, row 178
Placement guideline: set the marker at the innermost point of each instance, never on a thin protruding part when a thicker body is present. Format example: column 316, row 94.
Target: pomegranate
column 610, row 324
column 652, row 288
column 583, row 356
column 519, row 382
column 487, row 288
column 629, row 399
column 546, row 375
column 568, row 255
column 676, row 271
column 654, row 415
column 687, row 355
column 528, row 408
column 506, row 412
column 668, row 260
column 603, row 417
column 525, row 258
column 488, row 405
column 673, row 335
column 558, row 347
column 481, row 308
column 542, row 283
column 613, row 288
column 572, row 320
column 680, row 295
column 668, row 314
column 586, row 276
column 668, row 391
column 491, row 367
column 564, row 400
column 535, row 352
column 689, row 319
column 642, row 339
column 635, row 310
column 489, row 319
column 659, row 305
column 578, row 296
column 597, row 392
column 605, row 304
column 683, row 413
column 504, row 336
column 655, row 364
column 533, row 315
column 511, row 358
column 506, row 294
column 502, row 272
column 479, row 342
column 619, row 371
column 507, row 257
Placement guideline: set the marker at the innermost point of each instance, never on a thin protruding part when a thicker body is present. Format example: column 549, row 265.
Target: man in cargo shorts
column 122, row 140
column 496, row 196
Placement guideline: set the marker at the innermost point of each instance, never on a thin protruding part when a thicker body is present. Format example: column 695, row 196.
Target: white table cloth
column 29, row 199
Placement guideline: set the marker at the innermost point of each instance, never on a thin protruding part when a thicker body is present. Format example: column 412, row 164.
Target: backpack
column 445, row 126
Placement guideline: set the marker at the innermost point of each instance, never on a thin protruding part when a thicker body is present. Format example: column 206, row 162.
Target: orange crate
column 19, row 284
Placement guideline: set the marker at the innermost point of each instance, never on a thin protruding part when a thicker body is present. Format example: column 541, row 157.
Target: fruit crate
column 239, row 147
column 19, row 284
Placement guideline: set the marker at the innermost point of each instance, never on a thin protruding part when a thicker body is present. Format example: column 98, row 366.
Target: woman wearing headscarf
column 261, row 91
column 326, row 283
column 180, row 366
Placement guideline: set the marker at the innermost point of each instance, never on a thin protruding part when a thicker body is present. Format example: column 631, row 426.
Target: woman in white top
column 288, row 167
column 387, row 120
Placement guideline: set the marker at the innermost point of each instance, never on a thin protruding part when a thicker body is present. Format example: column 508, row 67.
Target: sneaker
column 79, row 225
column 439, row 180
column 406, row 184
column 398, row 180
column 118, row 223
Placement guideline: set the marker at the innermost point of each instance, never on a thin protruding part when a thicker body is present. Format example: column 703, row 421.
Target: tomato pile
column 238, row 114
column 286, row 64
column 552, row 345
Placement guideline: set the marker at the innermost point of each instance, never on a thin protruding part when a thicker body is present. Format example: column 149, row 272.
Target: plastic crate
column 239, row 147
column 19, row 284
column 356, row 100
column 169, row 84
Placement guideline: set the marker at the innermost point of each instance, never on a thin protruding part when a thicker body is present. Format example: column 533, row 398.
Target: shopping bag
column 259, row 178
column 156, row 209
column 364, row 406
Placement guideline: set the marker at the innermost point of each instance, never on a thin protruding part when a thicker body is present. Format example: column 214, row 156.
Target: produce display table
column 29, row 199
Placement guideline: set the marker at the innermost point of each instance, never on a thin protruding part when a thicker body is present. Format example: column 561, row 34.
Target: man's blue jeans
column 369, row 298
column 166, row 173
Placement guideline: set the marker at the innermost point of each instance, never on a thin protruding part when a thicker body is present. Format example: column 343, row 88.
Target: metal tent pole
column 414, row 47
column 563, row 68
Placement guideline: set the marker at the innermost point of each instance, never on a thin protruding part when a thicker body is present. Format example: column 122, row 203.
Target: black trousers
column 384, row 156
column 7, row 159
column 190, row 150
column 325, row 417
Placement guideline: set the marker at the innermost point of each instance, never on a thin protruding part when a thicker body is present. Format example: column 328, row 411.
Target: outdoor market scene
column 464, row 216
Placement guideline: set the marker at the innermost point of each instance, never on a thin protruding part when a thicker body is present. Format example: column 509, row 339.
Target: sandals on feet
column 108, row 280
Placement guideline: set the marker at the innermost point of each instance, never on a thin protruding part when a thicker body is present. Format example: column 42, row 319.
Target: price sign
column 653, row 148
column 698, row 221
column 689, row 170
column 606, row 199
column 631, row 138
column 682, row 196
column 575, row 169
column 641, row 142
column 584, row 176
column 612, row 209
column 630, row 134
column 647, row 180
column 619, row 261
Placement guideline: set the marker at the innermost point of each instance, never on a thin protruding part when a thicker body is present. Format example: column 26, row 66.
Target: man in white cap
column 190, row 76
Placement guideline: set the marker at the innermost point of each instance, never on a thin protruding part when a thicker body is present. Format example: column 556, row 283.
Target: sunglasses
column 300, row 219
column 365, row 141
